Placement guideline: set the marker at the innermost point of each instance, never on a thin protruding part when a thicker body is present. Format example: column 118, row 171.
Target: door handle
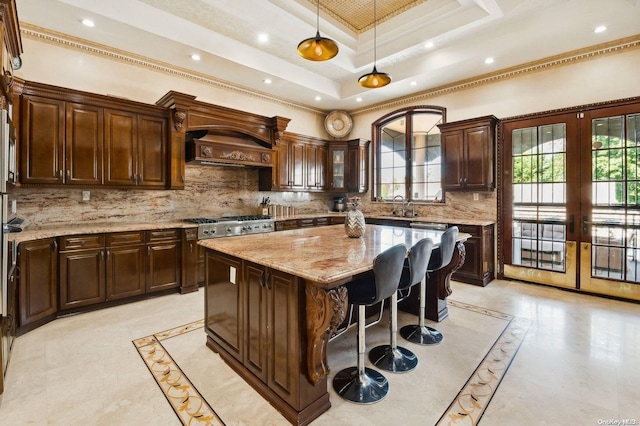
column 585, row 224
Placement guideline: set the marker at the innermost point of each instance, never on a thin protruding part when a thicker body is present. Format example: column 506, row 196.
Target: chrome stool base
column 422, row 335
column 399, row 360
column 367, row 388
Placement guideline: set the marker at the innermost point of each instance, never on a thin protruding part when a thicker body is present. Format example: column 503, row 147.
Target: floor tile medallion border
column 466, row 409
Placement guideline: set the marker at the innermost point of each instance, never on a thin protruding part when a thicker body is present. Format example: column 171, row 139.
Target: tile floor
column 577, row 364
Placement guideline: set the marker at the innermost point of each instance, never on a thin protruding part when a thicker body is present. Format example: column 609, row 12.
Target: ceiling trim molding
column 580, row 55
column 67, row 41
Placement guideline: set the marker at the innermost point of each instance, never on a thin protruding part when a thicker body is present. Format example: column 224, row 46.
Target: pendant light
column 374, row 79
column 318, row 48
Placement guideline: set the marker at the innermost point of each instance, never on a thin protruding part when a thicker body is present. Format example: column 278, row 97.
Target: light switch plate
column 86, row 195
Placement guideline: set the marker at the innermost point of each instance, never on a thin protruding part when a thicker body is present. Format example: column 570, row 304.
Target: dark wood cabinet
column 478, row 267
column 38, row 282
column 75, row 138
column 189, row 260
column 223, row 303
column 82, row 271
column 468, row 151
column 349, row 166
column 253, row 312
column 125, row 264
column 291, row 164
column 42, row 140
column 316, row 163
column 163, row 260
column 84, row 133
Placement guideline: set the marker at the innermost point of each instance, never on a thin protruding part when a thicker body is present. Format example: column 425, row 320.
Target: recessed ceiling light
column 429, row 45
column 88, row 22
column 413, row 83
column 488, row 61
column 358, row 99
column 263, row 38
column 267, row 81
column 318, row 98
column 195, row 57
column 600, row 29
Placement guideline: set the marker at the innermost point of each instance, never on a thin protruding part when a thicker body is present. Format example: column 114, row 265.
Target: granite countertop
column 391, row 217
column 38, row 232
column 324, row 254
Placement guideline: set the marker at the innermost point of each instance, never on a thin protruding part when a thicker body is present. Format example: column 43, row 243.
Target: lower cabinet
column 478, row 267
column 82, row 265
column 189, row 260
column 125, row 275
column 163, row 260
column 253, row 313
column 38, row 282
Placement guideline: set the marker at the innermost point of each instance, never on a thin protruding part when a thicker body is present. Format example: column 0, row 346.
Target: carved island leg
column 439, row 285
column 325, row 312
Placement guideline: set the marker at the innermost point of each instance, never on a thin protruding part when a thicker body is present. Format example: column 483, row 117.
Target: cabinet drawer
column 322, row 221
column 162, row 235
column 125, row 238
column 305, row 223
column 75, row 242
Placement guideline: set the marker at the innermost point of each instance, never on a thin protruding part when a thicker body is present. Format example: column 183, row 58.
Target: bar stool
column 361, row 384
column 392, row 357
column 421, row 334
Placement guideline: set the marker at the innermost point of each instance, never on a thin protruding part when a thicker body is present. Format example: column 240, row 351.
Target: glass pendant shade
column 374, row 79
column 318, row 48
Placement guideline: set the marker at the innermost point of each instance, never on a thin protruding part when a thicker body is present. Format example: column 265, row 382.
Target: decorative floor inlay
column 466, row 408
column 190, row 407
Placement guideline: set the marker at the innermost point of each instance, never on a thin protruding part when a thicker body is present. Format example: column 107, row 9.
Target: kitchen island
column 273, row 300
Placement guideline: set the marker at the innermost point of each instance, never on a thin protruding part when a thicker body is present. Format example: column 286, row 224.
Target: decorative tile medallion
column 466, row 409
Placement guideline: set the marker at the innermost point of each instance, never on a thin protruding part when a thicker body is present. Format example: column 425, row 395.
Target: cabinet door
column 163, row 266
column 81, row 278
column 452, row 160
column 337, row 168
column 152, row 154
column 284, row 328
column 223, row 308
column 189, row 260
column 478, row 153
column 121, row 143
column 316, row 161
column 282, row 166
column 42, row 139
column 297, row 165
column 37, row 294
column 125, row 275
column 201, row 251
column 177, row 158
column 84, row 145
column 357, row 173
column 255, row 319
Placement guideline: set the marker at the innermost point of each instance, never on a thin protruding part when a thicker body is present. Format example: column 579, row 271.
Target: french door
column 571, row 199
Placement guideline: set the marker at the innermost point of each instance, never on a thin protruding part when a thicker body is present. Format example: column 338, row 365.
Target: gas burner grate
column 200, row 220
column 250, row 217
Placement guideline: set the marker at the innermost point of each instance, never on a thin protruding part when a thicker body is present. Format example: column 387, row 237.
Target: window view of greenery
column 409, row 154
column 616, row 212
column 539, row 188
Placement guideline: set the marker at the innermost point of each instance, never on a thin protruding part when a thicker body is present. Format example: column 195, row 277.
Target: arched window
column 407, row 155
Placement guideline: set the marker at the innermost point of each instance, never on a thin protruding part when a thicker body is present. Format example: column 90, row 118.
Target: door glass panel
column 338, row 168
column 616, row 207
column 539, row 197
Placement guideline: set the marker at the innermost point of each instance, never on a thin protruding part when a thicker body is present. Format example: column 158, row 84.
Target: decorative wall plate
column 338, row 124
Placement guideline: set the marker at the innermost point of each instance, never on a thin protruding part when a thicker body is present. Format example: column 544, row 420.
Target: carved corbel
column 178, row 119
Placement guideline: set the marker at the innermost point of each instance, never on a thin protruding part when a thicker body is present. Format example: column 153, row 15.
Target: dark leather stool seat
column 392, row 357
column 421, row 334
column 361, row 384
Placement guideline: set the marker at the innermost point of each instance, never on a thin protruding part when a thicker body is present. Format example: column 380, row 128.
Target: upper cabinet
column 305, row 163
column 11, row 48
column 468, row 151
column 75, row 138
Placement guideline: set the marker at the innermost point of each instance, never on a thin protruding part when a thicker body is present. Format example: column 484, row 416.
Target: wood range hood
column 216, row 135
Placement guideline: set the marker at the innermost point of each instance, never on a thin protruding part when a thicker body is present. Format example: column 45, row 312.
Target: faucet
column 394, row 205
column 413, row 209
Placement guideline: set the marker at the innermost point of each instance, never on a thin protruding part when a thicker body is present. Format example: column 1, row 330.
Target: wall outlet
column 86, row 195
column 476, row 196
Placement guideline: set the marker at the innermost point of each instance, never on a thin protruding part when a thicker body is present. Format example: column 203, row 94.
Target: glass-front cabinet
column 337, row 157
